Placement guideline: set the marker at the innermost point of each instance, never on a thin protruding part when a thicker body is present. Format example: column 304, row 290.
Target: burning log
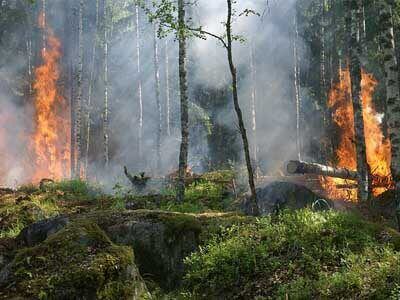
column 300, row 167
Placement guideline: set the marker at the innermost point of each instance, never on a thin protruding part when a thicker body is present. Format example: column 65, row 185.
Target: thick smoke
column 270, row 35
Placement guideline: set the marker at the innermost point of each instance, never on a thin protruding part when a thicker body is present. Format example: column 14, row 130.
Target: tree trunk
column 254, row 106
column 300, row 167
column 91, row 83
column 392, row 91
column 78, row 103
column 139, row 81
column 296, row 74
column 167, row 90
column 362, row 25
column 106, row 108
column 43, row 25
column 355, row 75
column 184, row 149
column 242, row 128
column 158, row 100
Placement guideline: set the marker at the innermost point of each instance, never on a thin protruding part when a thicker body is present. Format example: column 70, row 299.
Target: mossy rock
column 162, row 240
column 278, row 196
column 78, row 262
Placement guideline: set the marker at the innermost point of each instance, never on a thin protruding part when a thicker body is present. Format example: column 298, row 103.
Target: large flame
column 377, row 146
column 51, row 139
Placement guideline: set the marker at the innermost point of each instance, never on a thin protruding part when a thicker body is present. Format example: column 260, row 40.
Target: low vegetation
column 292, row 254
column 298, row 255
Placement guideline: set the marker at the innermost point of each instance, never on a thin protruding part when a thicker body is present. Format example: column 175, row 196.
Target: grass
column 300, row 255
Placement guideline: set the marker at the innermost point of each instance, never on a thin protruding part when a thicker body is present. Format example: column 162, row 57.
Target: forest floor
column 69, row 240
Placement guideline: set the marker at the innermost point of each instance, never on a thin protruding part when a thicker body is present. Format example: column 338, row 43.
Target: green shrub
column 303, row 255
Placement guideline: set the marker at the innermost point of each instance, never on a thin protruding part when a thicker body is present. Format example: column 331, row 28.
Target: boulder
column 77, row 262
column 284, row 195
column 160, row 240
column 40, row 231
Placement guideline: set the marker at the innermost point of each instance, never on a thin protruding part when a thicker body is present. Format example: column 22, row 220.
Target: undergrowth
column 298, row 255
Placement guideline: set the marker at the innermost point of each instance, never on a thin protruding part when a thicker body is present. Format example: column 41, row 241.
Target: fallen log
column 300, row 167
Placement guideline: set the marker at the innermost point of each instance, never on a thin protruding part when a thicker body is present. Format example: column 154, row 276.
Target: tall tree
column 78, row 103
column 90, row 92
column 242, row 128
column 106, row 108
column 296, row 73
column 253, row 104
column 167, row 90
column 184, row 149
column 356, row 76
column 392, row 86
column 158, row 94
column 139, row 79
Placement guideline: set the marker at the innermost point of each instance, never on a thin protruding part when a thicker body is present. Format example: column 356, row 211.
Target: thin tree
column 299, row 106
column 355, row 75
column 184, row 148
column 106, row 108
column 78, row 103
column 242, row 128
column 158, row 94
column 167, row 90
column 90, row 92
column 139, row 79
column 253, row 104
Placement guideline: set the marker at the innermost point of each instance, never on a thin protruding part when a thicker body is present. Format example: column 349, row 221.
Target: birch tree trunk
column 167, row 90
column 106, row 108
column 158, row 100
column 392, row 86
column 355, row 75
column 139, row 80
column 254, row 105
column 297, row 88
column 362, row 25
column 78, row 103
column 242, row 128
column 44, row 21
column 91, row 82
column 184, row 149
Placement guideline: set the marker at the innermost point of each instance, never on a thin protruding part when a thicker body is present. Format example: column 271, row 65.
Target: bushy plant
column 300, row 255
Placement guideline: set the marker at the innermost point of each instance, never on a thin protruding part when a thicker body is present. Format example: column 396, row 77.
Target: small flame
column 378, row 147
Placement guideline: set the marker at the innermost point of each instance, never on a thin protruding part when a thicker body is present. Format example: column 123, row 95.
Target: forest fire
column 377, row 146
column 50, row 142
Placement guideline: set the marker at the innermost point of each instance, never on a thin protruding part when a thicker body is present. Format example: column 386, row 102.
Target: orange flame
column 51, row 139
column 378, row 147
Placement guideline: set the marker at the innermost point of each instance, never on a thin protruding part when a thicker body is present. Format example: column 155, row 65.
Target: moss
column 79, row 261
column 14, row 215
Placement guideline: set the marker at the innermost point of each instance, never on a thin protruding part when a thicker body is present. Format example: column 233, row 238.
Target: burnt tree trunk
column 300, row 167
column 355, row 75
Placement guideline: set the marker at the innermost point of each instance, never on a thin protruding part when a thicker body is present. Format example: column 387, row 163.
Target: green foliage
column 16, row 216
column 75, row 187
column 303, row 255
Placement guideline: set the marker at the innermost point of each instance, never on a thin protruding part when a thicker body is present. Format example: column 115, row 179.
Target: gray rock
column 160, row 240
column 283, row 195
column 40, row 231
